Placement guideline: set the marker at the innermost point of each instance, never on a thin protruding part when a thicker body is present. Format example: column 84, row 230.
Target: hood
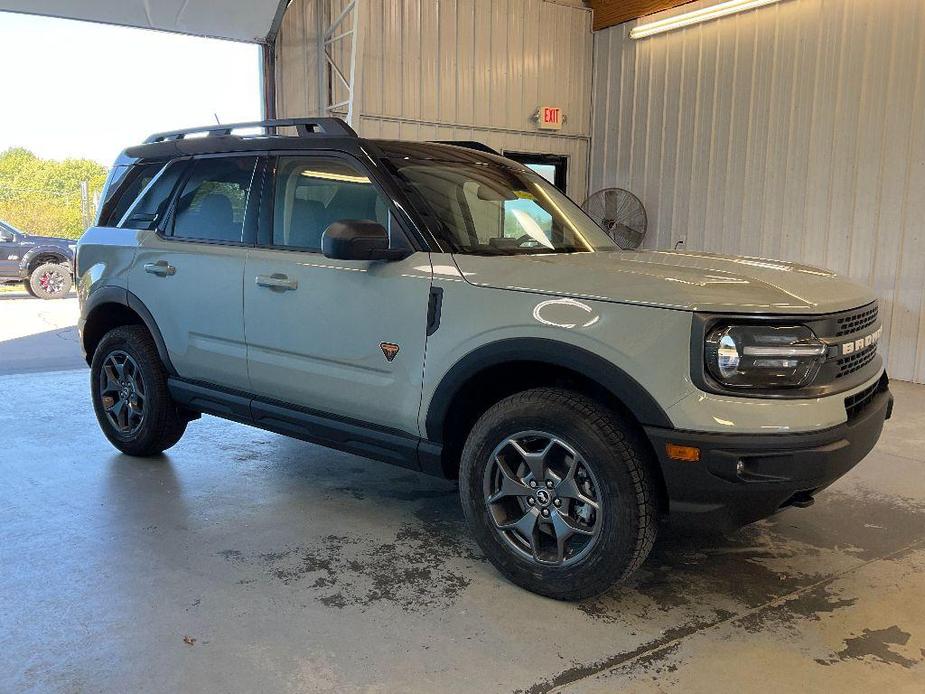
column 49, row 240
column 679, row 280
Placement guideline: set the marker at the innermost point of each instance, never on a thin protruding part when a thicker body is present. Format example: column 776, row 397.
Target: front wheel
column 50, row 281
column 130, row 395
column 556, row 491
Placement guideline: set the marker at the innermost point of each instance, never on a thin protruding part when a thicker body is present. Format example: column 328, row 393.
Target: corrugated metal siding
column 796, row 131
column 466, row 69
column 298, row 61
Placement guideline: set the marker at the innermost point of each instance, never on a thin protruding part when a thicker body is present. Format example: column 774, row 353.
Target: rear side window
column 154, row 202
column 213, row 201
column 122, row 189
column 312, row 193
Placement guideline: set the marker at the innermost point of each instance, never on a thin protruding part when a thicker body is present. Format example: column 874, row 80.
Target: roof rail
column 468, row 144
column 333, row 127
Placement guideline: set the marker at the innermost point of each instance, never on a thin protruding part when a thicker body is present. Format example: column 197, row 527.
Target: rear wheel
column 50, row 281
column 556, row 491
column 130, row 395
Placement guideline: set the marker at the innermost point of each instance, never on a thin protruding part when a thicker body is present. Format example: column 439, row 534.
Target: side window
column 312, row 193
column 213, row 201
column 124, row 185
column 154, row 201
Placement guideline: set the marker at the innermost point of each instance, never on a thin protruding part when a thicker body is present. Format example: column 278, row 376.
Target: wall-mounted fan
column 619, row 213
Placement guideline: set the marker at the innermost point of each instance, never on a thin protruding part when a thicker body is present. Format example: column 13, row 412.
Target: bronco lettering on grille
column 862, row 342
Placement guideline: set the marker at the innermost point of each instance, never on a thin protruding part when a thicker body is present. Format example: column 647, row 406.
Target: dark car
column 43, row 264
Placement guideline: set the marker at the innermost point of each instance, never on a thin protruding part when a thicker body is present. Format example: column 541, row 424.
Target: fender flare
column 617, row 382
column 123, row 297
column 26, row 258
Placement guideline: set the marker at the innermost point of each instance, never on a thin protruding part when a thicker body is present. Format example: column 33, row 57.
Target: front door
column 189, row 271
column 9, row 253
column 342, row 338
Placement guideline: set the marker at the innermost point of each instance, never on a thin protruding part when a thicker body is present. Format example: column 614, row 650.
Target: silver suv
column 445, row 309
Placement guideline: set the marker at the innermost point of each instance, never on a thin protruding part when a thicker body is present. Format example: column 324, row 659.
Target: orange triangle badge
column 389, row 349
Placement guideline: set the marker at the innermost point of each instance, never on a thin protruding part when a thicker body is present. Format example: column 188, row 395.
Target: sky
column 84, row 90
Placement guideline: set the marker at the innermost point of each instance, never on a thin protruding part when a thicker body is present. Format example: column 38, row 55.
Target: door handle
column 161, row 268
column 277, row 281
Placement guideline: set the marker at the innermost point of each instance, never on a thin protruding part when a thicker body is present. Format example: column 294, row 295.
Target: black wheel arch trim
column 123, row 297
column 26, row 260
column 617, row 382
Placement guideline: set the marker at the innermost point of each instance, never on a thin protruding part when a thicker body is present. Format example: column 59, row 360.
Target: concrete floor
column 37, row 335
column 244, row 561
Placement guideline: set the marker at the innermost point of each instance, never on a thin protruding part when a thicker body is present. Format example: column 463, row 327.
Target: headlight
column 763, row 356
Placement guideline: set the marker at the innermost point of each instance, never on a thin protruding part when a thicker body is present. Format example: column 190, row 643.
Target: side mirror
column 359, row 239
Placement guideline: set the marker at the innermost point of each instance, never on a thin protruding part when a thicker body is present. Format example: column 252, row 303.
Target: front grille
column 855, row 404
column 856, row 362
column 855, row 322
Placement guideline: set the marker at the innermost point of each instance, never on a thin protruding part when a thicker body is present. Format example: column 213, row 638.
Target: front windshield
column 486, row 209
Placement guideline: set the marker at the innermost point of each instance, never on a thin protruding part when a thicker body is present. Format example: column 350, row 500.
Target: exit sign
column 549, row 118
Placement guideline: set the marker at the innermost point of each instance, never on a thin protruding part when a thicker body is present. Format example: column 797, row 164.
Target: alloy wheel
column 543, row 498
column 122, row 392
column 52, row 281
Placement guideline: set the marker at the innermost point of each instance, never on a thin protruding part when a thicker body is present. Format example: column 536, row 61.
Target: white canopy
column 253, row 21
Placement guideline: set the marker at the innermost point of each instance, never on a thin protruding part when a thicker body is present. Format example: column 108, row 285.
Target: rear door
column 189, row 266
column 343, row 338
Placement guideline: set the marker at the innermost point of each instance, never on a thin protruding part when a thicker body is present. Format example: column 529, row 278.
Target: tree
column 43, row 196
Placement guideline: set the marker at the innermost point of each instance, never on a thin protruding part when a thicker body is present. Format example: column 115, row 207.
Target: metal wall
column 298, row 61
column 457, row 69
column 796, row 131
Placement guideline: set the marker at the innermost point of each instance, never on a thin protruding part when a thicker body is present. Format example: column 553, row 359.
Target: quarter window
column 124, row 186
column 151, row 207
column 213, row 202
column 313, row 193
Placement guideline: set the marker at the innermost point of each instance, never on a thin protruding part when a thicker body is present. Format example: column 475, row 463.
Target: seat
column 305, row 227
column 213, row 220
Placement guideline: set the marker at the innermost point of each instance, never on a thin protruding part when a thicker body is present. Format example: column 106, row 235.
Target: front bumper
column 742, row 478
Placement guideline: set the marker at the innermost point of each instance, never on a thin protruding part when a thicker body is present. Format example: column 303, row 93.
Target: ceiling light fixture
column 704, row 14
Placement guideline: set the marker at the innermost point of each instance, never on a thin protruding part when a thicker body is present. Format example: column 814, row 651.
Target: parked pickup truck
column 44, row 265
column 448, row 310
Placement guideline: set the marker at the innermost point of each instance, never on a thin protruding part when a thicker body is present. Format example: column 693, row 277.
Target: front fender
column 543, row 351
column 42, row 249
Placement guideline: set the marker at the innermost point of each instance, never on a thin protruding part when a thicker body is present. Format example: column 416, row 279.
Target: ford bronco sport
column 445, row 309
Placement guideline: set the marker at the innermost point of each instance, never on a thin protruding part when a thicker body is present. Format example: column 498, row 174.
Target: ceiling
column 253, row 21
column 607, row 13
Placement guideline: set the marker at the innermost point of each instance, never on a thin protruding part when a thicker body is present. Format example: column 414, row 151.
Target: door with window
column 195, row 222
column 320, row 331
column 9, row 252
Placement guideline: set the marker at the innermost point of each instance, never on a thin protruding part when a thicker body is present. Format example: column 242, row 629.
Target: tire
column 611, row 460
column 51, row 281
column 160, row 424
column 28, row 286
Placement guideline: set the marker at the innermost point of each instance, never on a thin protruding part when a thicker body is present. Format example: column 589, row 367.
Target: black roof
column 312, row 134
